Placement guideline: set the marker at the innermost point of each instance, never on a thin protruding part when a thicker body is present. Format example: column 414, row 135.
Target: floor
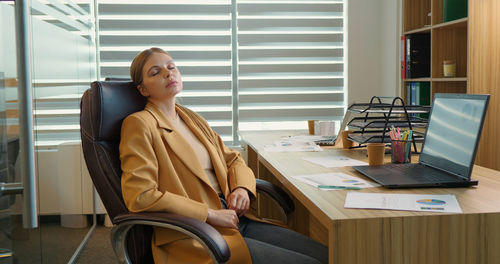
column 51, row 243
column 99, row 249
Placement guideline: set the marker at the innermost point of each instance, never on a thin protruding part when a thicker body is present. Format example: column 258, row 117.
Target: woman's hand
column 223, row 218
column 239, row 201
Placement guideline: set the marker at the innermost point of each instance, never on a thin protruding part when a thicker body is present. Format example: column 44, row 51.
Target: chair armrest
column 277, row 194
column 204, row 233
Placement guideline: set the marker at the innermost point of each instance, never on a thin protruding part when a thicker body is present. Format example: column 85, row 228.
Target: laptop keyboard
column 421, row 172
column 327, row 141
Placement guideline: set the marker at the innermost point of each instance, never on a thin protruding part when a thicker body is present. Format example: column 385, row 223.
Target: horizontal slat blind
column 290, row 56
column 291, row 63
column 196, row 33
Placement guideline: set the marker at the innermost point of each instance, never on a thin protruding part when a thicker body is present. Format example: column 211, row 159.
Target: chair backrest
column 103, row 108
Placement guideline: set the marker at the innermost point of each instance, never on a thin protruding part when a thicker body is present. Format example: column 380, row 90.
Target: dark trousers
column 274, row 244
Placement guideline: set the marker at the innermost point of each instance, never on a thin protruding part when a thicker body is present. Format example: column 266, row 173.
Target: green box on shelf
column 418, row 93
column 424, row 96
column 454, row 9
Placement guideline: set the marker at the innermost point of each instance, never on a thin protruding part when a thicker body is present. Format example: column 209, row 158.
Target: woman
column 172, row 161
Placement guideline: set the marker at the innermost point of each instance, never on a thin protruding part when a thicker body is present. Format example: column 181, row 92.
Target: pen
column 338, row 187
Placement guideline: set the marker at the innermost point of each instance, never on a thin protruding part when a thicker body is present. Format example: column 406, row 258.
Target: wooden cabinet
column 484, row 72
column 473, row 43
column 448, row 42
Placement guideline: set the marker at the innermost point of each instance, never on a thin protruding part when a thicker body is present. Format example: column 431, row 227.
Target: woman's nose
column 167, row 74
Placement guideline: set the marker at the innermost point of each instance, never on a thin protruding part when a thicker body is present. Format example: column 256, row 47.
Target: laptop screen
column 453, row 132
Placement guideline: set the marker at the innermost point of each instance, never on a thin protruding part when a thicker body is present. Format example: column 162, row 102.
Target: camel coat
column 161, row 172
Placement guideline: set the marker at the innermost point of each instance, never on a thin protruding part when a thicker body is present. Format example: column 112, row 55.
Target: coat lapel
column 177, row 143
column 219, row 167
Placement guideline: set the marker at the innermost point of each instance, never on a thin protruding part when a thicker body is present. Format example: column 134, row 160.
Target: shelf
column 442, row 79
column 459, row 23
column 419, row 30
column 449, row 41
column 449, row 79
column 426, row 79
column 462, row 22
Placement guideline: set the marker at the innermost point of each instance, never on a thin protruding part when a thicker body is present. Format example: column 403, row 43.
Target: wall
column 373, row 35
column 390, row 35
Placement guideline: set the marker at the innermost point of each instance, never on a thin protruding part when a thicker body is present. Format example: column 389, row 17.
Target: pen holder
column 401, row 151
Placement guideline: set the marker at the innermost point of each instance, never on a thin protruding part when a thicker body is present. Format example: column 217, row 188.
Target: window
column 280, row 64
column 62, row 63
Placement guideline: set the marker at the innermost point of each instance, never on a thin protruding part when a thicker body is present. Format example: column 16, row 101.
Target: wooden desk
column 383, row 236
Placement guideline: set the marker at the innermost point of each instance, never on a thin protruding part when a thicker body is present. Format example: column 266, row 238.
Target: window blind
column 196, row 33
column 288, row 56
column 291, row 63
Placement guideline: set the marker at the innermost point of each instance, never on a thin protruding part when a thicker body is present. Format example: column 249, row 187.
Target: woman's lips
column 171, row 84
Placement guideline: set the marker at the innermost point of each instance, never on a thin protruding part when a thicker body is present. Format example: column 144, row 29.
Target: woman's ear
column 142, row 90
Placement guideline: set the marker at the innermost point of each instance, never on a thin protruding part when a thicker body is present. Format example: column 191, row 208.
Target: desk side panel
column 458, row 239
column 374, row 241
column 492, row 233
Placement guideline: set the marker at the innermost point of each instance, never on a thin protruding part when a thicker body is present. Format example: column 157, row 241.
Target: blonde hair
column 139, row 61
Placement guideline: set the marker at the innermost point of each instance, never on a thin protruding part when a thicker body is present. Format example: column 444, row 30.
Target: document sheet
column 335, row 161
column 407, row 202
column 334, row 179
column 292, row 145
column 310, row 138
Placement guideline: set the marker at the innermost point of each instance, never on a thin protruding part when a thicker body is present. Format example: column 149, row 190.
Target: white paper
column 335, row 161
column 406, row 202
column 309, row 138
column 334, row 179
column 292, row 145
column 327, row 128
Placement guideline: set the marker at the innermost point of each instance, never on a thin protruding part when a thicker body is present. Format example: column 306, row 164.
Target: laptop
column 448, row 150
column 326, row 141
column 331, row 140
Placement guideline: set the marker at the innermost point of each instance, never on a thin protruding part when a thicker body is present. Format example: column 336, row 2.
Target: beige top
column 200, row 150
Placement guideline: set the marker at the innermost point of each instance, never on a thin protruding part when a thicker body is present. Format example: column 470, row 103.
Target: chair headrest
column 108, row 104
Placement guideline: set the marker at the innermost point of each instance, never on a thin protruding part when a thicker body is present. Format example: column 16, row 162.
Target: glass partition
column 62, row 66
column 12, row 234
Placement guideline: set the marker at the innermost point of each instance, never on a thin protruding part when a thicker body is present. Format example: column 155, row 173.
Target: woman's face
column 161, row 79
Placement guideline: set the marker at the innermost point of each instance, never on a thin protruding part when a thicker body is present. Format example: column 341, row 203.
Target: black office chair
column 103, row 108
